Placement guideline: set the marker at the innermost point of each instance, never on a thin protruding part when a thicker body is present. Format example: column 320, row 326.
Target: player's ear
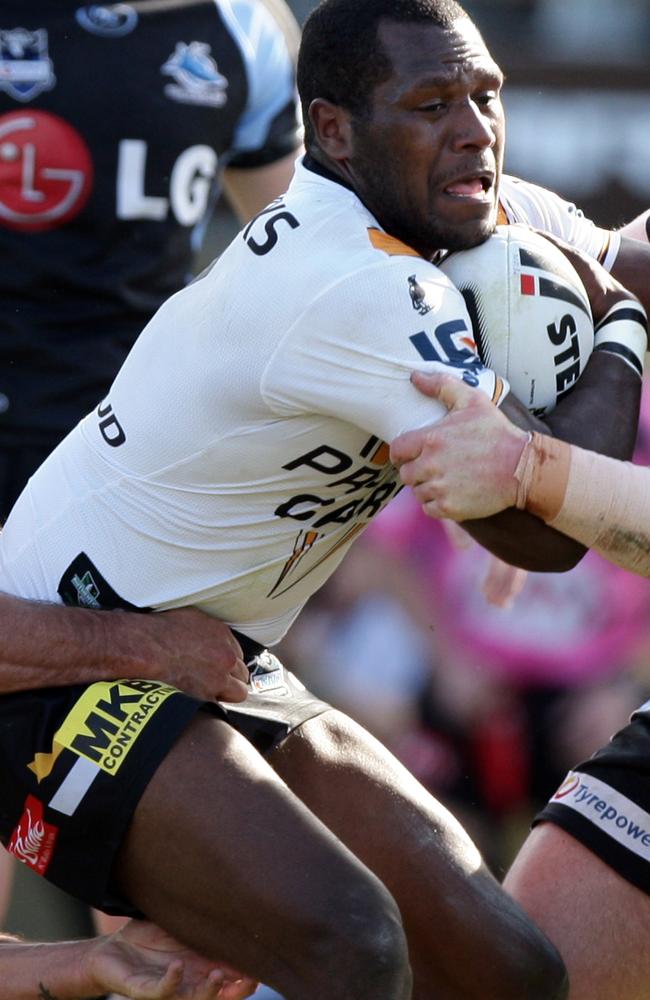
column 331, row 124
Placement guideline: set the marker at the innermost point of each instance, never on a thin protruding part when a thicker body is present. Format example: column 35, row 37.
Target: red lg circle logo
column 46, row 172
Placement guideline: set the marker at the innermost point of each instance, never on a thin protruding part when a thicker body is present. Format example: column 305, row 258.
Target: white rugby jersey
column 241, row 447
column 521, row 201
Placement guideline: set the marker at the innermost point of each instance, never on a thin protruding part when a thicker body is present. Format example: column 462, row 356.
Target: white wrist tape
column 623, row 331
column 542, row 474
column 607, row 507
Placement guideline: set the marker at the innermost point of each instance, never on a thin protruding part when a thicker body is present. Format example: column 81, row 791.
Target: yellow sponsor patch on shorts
column 104, row 723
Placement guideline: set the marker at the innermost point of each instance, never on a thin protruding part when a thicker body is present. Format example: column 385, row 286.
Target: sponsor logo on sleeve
column 616, row 815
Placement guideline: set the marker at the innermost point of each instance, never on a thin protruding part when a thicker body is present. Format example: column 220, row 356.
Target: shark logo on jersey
column 25, row 66
column 111, row 21
column 196, row 77
column 418, row 299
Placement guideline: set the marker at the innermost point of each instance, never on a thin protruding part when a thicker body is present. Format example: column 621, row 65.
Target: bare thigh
column 467, row 939
column 599, row 921
column 224, row 856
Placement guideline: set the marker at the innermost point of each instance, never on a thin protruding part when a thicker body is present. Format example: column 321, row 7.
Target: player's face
column 428, row 159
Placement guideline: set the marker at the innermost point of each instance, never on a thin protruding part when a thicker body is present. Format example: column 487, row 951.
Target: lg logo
column 46, row 171
column 189, row 184
column 46, row 176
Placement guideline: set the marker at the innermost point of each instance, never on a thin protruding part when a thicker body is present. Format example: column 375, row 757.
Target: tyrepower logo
column 33, row 840
column 616, row 815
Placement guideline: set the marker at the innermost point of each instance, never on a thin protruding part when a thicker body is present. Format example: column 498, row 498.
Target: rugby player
column 235, row 459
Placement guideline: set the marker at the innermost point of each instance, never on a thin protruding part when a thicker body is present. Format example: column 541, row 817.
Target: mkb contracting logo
column 105, row 723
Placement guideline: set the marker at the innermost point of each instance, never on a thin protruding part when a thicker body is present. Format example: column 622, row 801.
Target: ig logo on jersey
column 46, row 171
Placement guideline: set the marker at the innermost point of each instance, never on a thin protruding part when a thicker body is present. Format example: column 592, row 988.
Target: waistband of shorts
column 250, row 648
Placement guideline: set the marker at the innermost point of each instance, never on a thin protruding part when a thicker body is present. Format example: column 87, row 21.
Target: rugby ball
column 530, row 313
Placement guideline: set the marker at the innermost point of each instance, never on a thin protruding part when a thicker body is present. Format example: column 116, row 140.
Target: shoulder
column 257, row 24
column 536, row 206
column 524, row 201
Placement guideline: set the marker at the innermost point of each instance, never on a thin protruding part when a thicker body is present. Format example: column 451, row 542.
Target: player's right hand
column 461, row 467
column 194, row 652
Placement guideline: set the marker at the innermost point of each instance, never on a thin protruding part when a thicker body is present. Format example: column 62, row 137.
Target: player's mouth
column 476, row 188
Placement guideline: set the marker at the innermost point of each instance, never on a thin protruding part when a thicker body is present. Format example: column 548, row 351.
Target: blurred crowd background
column 489, row 706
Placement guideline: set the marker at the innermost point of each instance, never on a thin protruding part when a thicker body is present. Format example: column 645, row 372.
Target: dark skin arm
column 632, row 269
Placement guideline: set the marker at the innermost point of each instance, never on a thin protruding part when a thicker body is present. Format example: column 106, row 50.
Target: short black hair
column 340, row 58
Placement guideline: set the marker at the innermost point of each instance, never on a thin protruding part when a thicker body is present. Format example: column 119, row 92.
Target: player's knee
column 552, row 982
column 540, row 974
column 379, row 956
column 364, row 940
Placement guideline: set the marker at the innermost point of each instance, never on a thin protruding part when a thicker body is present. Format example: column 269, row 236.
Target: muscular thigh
column 598, row 919
column 463, row 930
column 584, row 871
column 227, row 858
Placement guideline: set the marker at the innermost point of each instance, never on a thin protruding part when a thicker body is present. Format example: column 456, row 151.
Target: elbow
column 562, row 560
column 523, row 540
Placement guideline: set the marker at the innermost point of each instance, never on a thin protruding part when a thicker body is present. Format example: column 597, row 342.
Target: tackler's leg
column 224, row 856
column 468, row 940
column 599, row 921
column 584, row 872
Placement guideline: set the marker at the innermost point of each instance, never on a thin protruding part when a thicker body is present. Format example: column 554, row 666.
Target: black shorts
column 75, row 761
column 605, row 802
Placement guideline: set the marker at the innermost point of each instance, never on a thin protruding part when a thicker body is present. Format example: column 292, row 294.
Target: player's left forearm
column 632, row 267
column 601, row 412
column 45, row 971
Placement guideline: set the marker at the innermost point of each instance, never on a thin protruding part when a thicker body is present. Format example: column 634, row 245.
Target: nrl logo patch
column 111, row 21
column 25, row 66
column 267, row 674
column 196, row 77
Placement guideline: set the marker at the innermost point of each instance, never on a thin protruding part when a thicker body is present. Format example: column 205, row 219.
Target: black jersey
column 115, row 122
